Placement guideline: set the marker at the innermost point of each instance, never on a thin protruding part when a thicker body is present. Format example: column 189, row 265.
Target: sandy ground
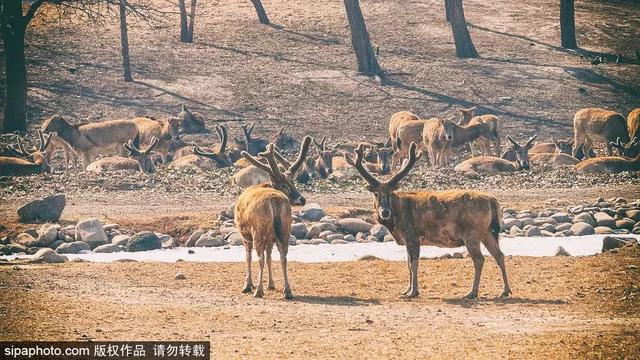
column 561, row 308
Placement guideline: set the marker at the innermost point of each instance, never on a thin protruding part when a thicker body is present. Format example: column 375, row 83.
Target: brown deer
column 103, row 138
column 263, row 215
column 552, row 159
column 562, row 146
column 191, row 122
column 202, row 158
column 396, row 120
column 165, row 131
column 633, row 123
column 407, row 132
column 436, row 141
column 609, row 164
column 70, row 155
column 630, row 149
column 250, row 144
column 460, row 135
column 324, row 158
column 286, row 143
column 483, row 145
column 594, row 124
column 446, row 219
column 138, row 160
column 494, row 165
column 14, row 166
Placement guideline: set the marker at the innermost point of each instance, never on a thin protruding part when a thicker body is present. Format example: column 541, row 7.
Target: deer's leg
column 86, row 159
column 491, row 243
column 577, row 142
column 496, row 143
column 413, row 255
column 588, row 145
column 478, row 262
column 408, row 290
column 248, row 283
column 259, row 289
column 271, row 285
column 282, row 249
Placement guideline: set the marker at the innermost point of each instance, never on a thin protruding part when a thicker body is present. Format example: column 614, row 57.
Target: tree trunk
column 192, row 20
column 567, row 25
column 446, row 10
column 184, row 30
column 262, row 15
column 124, row 43
column 15, row 117
column 461, row 36
column 367, row 62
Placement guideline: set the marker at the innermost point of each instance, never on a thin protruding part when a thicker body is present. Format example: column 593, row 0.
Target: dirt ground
column 561, row 308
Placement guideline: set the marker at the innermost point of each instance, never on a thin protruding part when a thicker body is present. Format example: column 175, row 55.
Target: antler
column 530, row 141
column 302, row 154
column 152, row 144
column 515, row 144
column 271, row 160
column 45, row 139
column 320, row 145
column 357, row 164
column 223, row 135
column 617, row 144
column 19, row 151
column 407, row 165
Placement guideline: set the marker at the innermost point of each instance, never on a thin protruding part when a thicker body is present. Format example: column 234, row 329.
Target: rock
column 47, row 234
column 533, row 231
column 546, row 233
column 230, row 212
column 560, row 251
column 584, row 217
column 548, row 227
column 527, row 221
column 507, row 224
column 47, row 209
column 603, row 230
column 388, row 238
column 17, row 248
column 610, row 242
column 515, row 231
column 634, row 215
column 46, row 255
column 545, row 220
column 299, row 230
column 91, row 232
column 112, row 226
column 312, row 212
column 561, row 233
column 353, row 225
column 524, row 215
column 636, row 230
column 190, row 251
column 332, row 237
column 561, row 217
column 54, row 245
column 379, row 231
column 324, row 234
column 317, row 241
column 457, row 255
column 329, row 219
column 179, row 276
column 609, row 211
column 338, row 242
column 107, row 249
column 368, row 258
column 625, row 224
column 236, row 239
column 191, row 242
column 582, row 228
column 361, row 237
column 317, row 228
column 167, row 241
column 75, row 247
column 120, row 240
column 371, row 238
column 510, row 211
column 303, row 242
column 563, row 227
column 209, row 241
column 349, row 238
column 25, row 240
column 143, row 241
column 604, row 219
column 226, row 230
column 5, row 250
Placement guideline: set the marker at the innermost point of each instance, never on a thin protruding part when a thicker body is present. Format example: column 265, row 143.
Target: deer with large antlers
column 138, row 160
column 441, row 218
column 15, row 166
column 263, row 214
column 209, row 158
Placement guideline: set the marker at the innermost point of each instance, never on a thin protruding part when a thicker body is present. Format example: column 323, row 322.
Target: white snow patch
column 518, row 246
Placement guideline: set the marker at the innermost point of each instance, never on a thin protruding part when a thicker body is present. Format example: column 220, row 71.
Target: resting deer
column 191, row 122
column 483, row 143
column 307, row 172
column 13, row 166
column 324, row 159
column 380, row 165
column 102, row 138
column 285, row 142
column 493, row 165
column 609, row 164
column 250, row 144
column 446, row 219
column 263, row 215
column 204, row 158
column 630, row 149
column 552, row 159
column 138, row 160
column 396, row 120
column 593, row 124
column 165, row 131
column 633, row 123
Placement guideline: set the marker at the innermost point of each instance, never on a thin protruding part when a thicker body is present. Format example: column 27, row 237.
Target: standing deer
column 494, row 165
column 441, row 218
column 483, row 143
column 633, row 123
column 263, row 215
column 396, row 120
column 165, row 131
column 594, row 124
column 13, row 166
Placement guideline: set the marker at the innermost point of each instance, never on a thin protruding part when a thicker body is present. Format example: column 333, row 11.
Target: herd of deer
column 263, row 212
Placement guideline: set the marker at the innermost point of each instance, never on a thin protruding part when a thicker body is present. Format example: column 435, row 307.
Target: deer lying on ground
column 205, row 159
column 191, row 122
column 494, row 165
column 593, row 124
column 396, row 120
column 286, row 143
column 446, row 219
column 249, row 144
column 482, row 146
column 557, row 147
column 138, row 160
column 553, row 159
column 15, row 166
column 324, row 158
column 381, row 166
column 263, row 215
column 408, row 131
column 165, row 131
column 307, row 172
column 609, row 164
column 633, row 123
column 630, row 149
column 96, row 138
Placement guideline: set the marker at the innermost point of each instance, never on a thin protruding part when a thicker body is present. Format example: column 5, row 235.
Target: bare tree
column 124, row 42
column 262, row 15
column 446, row 10
column 461, row 36
column 367, row 62
column 187, row 21
column 567, row 25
